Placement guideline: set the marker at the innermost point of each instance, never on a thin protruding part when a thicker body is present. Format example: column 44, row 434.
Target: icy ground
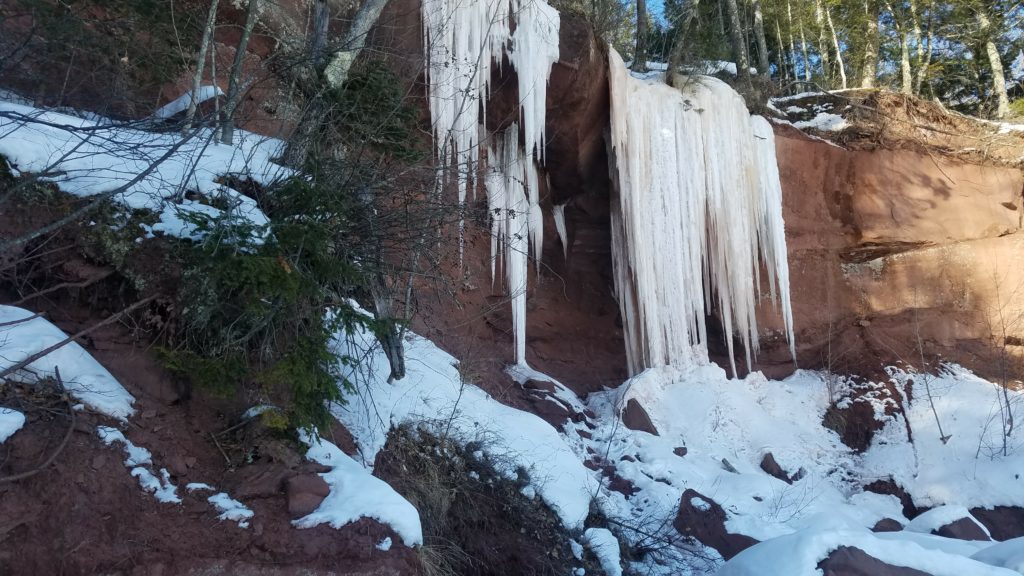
column 156, row 171
column 726, row 426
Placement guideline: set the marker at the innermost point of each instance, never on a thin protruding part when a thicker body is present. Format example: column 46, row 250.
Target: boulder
column 963, row 529
column 772, row 468
column 849, row 561
column 635, row 417
column 305, row 493
column 887, row 525
column 703, row 519
column 1002, row 522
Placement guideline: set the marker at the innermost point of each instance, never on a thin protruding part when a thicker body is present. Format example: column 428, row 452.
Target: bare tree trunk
column 922, row 69
column 341, row 61
column 869, row 67
column 640, row 53
column 906, row 77
column 318, row 35
column 783, row 67
column 998, row 75
column 839, row 53
column 762, row 42
column 792, row 41
column 739, row 48
column 227, row 135
column 803, row 47
column 197, row 79
column 826, row 60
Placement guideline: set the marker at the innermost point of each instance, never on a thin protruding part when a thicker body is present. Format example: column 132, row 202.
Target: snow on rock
column 940, row 516
column 84, row 377
column 10, row 422
column 230, row 509
column 88, row 157
column 180, row 104
column 385, row 544
column 605, row 547
column 135, row 455
column 1008, row 554
column 464, row 41
column 970, row 468
column 355, row 494
column 434, row 395
column 798, row 554
column 699, row 208
column 193, row 486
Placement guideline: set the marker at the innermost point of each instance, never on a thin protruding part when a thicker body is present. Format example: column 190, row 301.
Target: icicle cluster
column 699, row 211
column 464, row 39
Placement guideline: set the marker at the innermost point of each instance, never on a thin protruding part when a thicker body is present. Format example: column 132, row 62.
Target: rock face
column 888, row 246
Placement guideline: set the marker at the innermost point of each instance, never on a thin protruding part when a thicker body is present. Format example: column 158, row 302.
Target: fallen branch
column 25, row 319
column 63, row 443
column 61, row 286
column 42, row 353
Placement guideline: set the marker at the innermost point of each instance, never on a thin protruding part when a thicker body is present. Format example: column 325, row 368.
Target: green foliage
column 1017, row 108
column 253, row 301
column 372, row 109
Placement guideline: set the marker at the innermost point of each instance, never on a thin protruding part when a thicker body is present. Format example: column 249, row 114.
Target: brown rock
column 887, row 525
column 963, row 529
column 679, row 451
column 303, row 504
column 309, row 484
column 703, row 519
column 263, row 480
column 849, row 561
column 635, row 417
column 770, row 466
column 1003, row 522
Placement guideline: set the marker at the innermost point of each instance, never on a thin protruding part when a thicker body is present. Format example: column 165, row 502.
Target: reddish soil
column 87, row 515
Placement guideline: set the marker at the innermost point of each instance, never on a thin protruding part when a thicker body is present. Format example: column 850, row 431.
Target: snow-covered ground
column 149, row 170
column 726, row 426
column 10, row 422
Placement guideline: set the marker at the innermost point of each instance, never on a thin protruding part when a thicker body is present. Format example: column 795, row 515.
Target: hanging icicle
column 699, row 210
column 463, row 41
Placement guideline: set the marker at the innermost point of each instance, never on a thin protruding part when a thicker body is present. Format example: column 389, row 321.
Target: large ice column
column 698, row 213
column 464, row 40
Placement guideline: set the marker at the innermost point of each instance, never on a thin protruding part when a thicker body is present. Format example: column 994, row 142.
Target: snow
column 1008, row 554
column 605, row 547
column 434, row 395
column 135, row 455
column 969, row 469
column 193, row 486
column 161, row 487
column 10, row 422
column 825, row 121
column 700, row 204
column 463, row 42
column 355, row 494
column 84, row 377
column 89, row 157
column 180, row 104
column 231, row 509
column 940, row 516
column 385, row 544
column 798, row 554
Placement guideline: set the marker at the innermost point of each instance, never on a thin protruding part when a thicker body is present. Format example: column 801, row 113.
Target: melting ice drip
column 464, row 39
column 699, row 210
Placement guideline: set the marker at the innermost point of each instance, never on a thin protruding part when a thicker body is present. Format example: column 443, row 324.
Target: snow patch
column 605, row 547
column 231, row 509
column 161, row 487
column 355, row 494
column 10, row 422
column 824, row 121
column 83, row 376
column 180, row 104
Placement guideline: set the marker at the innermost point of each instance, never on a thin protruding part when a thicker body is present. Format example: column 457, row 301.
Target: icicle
column 463, row 40
column 699, row 210
column 563, row 234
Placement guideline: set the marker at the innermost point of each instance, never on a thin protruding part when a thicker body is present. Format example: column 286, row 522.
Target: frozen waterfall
column 463, row 41
column 699, row 210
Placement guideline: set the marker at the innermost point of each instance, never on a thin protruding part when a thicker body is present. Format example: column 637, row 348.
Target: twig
column 25, row 319
column 61, row 286
column 222, row 452
column 63, row 443
column 110, row 320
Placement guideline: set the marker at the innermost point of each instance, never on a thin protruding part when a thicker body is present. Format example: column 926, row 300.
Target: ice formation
column 463, row 42
column 699, row 211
